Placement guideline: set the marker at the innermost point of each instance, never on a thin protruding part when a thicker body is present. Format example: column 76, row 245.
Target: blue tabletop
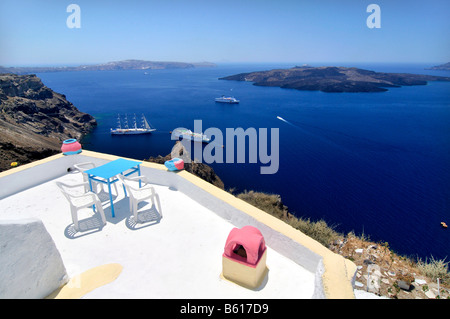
column 113, row 168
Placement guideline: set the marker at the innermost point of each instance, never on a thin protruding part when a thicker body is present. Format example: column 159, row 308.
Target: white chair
column 78, row 201
column 138, row 193
column 82, row 167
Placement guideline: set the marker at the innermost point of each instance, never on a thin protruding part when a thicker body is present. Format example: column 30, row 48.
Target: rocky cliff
column 34, row 120
column 201, row 170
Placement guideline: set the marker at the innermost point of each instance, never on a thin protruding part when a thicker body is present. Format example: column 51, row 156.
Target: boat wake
column 280, row 118
column 339, row 138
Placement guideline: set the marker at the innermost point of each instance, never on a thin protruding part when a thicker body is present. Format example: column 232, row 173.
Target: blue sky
column 34, row 32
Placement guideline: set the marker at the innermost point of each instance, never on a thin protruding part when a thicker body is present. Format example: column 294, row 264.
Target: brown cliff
column 34, row 120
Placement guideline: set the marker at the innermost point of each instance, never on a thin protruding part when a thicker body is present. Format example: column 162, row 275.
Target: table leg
column 110, row 197
column 139, row 174
column 124, row 190
column 90, row 186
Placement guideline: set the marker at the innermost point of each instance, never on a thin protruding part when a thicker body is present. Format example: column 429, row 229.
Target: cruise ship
column 189, row 135
column 124, row 129
column 224, row 99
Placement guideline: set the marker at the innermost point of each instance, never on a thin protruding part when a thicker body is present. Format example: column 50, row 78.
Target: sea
column 376, row 164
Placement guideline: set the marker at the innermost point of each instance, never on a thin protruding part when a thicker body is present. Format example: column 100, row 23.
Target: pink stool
column 174, row 164
column 244, row 257
column 71, row 147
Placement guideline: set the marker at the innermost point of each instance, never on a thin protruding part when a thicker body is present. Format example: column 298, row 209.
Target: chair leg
column 130, row 202
column 153, row 197
column 73, row 211
column 135, row 213
column 159, row 205
column 102, row 213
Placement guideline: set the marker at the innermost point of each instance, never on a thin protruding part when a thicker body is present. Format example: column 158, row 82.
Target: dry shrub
column 434, row 269
column 271, row 203
column 318, row 230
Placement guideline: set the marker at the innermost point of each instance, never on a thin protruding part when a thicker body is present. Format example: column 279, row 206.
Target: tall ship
column 224, row 99
column 189, row 135
column 123, row 127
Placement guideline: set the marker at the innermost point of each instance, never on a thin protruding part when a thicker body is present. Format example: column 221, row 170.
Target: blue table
column 105, row 174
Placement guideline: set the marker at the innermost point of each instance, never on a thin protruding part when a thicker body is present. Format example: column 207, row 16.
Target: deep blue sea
column 372, row 163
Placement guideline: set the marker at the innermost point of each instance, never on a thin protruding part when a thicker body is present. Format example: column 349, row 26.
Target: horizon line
column 74, row 64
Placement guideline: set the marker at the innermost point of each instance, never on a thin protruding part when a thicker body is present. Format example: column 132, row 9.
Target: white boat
column 124, row 129
column 224, row 99
column 189, row 135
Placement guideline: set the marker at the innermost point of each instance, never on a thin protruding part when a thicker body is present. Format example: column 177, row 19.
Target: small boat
column 124, row 129
column 189, row 135
column 224, row 99
column 443, row 224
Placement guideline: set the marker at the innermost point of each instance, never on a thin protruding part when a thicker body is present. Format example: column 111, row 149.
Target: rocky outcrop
column 333, row 79
column 201, row 170
column 34, row 120
column 384, row 273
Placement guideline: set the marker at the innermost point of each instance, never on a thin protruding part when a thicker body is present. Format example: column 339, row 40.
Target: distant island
column 115, row 65
column 443, row 67
column 333, row 79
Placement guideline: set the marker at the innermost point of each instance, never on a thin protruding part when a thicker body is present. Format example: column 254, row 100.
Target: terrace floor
column 176, row 256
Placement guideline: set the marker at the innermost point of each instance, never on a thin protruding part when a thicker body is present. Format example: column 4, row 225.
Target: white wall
column 30, row 264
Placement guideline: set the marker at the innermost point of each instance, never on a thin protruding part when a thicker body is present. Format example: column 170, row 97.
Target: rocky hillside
column 34, row 120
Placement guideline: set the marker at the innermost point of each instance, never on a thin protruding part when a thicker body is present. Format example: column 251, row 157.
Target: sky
column 35, row 32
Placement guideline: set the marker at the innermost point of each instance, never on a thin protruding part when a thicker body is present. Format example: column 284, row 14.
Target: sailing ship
column 124, row 129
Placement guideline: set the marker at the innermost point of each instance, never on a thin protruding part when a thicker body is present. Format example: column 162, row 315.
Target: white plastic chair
column 138, row 194
column 78, row 201
column 82, row 167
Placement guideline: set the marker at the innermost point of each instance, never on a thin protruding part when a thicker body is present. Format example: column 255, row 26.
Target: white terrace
column 176, row 256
